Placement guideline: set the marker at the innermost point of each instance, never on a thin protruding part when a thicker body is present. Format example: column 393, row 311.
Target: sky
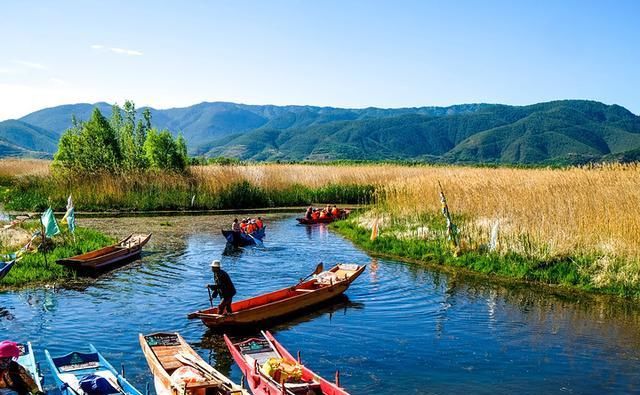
column 347, row 53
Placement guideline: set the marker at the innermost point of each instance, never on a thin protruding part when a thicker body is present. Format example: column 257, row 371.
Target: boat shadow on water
column 219, row 356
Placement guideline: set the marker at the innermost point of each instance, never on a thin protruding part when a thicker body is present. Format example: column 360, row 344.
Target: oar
column 199, row 365
column 317, row 270
column 210, row 297
column 257, row 241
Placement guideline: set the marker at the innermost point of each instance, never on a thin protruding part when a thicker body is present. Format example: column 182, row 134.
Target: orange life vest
column 259, row 223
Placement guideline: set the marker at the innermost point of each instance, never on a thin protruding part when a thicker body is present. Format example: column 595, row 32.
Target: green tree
column 89, row 146
column 162, row 151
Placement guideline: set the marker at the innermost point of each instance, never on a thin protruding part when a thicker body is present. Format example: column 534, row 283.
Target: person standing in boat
column 14, row 378
column 223, row 286
column 235, row 226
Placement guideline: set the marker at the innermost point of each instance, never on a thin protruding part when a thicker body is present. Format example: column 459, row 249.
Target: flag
column 452, row 230
column 70, row 216
column 49, row 223
column 374, row 230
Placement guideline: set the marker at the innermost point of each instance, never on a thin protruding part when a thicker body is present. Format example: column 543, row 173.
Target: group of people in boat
column 14, row 378
column 247, row 225
column 327, row 212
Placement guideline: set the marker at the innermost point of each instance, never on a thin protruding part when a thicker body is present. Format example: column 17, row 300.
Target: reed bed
column 588, row 218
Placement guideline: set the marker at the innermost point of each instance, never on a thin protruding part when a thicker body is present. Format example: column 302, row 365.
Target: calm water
column 404, row 329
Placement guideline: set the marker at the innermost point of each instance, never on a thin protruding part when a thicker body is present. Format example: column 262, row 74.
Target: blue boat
column 79, row 373
column 28, row 360
column 5, row 266
column 241, row 239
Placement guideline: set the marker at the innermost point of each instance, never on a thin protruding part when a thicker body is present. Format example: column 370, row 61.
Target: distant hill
column 567, row 131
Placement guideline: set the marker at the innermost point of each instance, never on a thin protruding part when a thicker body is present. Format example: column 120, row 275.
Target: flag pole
column 44, row 243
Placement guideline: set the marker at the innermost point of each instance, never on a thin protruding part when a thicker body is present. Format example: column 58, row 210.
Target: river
column 403, row 329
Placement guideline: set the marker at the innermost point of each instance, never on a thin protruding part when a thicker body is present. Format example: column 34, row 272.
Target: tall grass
column 586, row 218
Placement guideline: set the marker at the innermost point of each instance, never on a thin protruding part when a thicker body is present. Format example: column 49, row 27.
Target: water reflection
column 402, row 329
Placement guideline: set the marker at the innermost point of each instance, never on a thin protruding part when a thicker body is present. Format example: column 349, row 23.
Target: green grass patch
column 568, row 271
column 32, row 269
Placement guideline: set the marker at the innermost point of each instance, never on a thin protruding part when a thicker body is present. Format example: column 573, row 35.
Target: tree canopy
column 122, row 143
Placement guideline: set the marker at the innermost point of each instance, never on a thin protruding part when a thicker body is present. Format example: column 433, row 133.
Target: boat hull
column 240, row 239
column 67, row 370
column 260, row 384
column 107, row 257
column 28, row 360
column 279, row 304
column 160, row 351
column 5, row 267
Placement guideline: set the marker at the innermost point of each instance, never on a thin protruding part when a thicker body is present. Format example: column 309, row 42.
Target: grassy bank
column 32, row 269
column 568, row 271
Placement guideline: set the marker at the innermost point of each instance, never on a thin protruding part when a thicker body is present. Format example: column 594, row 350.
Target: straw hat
column 215, row 263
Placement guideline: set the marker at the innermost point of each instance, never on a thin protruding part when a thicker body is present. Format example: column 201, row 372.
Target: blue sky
column 334, row 53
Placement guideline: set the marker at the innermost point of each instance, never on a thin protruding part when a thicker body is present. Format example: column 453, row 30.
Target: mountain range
column 565, row 131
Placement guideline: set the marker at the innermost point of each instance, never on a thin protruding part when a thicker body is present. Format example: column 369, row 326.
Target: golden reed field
column 542, row 212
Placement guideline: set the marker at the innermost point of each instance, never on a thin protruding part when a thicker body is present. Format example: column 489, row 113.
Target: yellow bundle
column 282, row 370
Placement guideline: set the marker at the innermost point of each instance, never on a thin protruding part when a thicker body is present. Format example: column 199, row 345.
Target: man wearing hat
column 223, row 286
column 14, row 378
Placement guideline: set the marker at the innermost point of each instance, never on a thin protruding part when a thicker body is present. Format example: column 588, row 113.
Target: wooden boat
column 70, row 370
column 125, row 249
column 324, row 220
column 28, row 360
column 241, row 239
column 322, row 288
column 5, row 267
column 168, row 352
column 257, row 357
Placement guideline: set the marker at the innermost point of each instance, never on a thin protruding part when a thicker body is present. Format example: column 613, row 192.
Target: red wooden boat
column 127, row 248
column 322, row 288
column 257, row 357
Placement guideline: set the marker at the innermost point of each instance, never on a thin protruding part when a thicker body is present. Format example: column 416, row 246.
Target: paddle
column 202, row 367
column 319, row 269
column 257, row 241
column 210, row 297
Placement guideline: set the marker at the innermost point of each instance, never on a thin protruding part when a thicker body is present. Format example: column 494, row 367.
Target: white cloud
column 123, row 51
column 5, row 71
column 116, row 50
column 31, row 65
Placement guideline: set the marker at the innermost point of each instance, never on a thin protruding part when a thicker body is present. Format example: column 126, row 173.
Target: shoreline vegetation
column 576, row 227
column 32, row 269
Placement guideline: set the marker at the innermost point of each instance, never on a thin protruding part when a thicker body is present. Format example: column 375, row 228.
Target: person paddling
column 14, row 378
column 223, row 286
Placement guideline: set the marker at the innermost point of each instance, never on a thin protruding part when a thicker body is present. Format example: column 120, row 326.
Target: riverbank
column 578, row 272
column 32, row 269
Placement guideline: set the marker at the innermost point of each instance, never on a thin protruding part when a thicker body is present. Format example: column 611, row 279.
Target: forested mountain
column 568, row 131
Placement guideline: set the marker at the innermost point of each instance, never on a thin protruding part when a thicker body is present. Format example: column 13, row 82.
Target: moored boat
column 242, row 239
column 322, row 288
column 100, row 259
column 79, row 373
column 179, row 370
column 28, row 360
column 5, row 267
column 271, row 369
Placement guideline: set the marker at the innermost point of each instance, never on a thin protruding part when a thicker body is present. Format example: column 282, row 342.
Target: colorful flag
column 452, row 230
column 49, row 223
column 374, row 230
column 70, row 216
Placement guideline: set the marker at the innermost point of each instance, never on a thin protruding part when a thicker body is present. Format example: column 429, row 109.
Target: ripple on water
column 402, row 329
